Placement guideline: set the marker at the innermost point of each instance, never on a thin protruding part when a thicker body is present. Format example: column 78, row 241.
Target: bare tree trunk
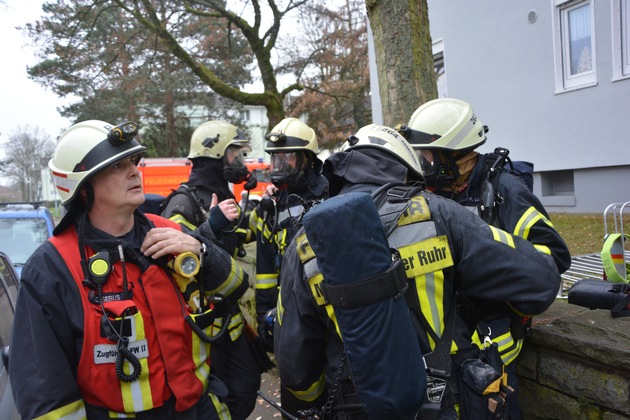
column 404, row 57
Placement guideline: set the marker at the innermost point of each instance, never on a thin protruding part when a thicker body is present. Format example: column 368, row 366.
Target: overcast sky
column 23, row 102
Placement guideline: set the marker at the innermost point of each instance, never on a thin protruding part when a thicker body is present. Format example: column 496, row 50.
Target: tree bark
column 404, row 56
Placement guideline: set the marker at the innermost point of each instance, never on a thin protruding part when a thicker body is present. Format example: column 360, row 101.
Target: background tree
column 25, row 151
column 120, row 71
column 404, row 56
column 122, row 47
column 336, row 74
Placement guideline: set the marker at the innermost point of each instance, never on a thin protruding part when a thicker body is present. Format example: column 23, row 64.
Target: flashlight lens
column 129, row 128
column 188, row 266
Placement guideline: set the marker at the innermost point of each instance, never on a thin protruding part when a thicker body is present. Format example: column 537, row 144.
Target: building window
column 574, row 45
column 245, row 115
column 621, row 39
column 557, row 183
column 440, row 70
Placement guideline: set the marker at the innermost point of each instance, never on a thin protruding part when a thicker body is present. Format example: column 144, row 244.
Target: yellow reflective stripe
column 200, row 355
column 222, row 411
column 266, row 281
column 315, row 283
column 115, row 415
column 502, row 236
column 181, row 220
column 234, row 280
column 73, row 411
column 312, row 392
column 527, row 220
column 331, row 315
column 430, row 292
column 236, row 326
column 136, row 395
column 417, row 211
column 509, row 356
column 281, row 240
column 279, row 307
column 304, row 250
column 543, row 249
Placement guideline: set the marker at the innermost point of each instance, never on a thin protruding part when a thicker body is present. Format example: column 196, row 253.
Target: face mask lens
column 283, row 162
column 425, row 157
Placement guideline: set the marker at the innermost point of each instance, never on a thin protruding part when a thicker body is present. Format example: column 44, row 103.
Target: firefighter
column 297, row 184
column 444, row 250
column 445, row 134
column 205, row 204
column 101, row 330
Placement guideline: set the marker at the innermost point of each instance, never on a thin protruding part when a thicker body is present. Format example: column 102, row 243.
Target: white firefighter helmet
column 212, row 138
column 291, row 135
column 386, row 139
column 87, row 148
column 446, row 124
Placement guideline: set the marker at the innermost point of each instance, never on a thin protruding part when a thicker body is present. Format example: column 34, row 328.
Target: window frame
column 565, row 82
column 438, row 60
column 620, row 19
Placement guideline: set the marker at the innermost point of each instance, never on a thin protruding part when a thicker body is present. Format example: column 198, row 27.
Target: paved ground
column 270, row 386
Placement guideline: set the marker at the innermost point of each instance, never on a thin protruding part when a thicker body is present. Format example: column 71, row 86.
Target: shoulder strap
column 494, row 164
column 200, row 214
column 392, row 200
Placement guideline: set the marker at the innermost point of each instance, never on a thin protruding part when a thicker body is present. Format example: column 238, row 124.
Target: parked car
column 8, row 296
column 23, row 227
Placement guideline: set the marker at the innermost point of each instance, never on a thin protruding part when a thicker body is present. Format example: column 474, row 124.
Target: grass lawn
column 584, row 232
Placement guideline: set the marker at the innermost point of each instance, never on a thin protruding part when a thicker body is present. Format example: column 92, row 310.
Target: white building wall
column 503, row 64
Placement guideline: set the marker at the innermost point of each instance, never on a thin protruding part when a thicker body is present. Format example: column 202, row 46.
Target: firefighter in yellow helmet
column 297, row 185
column 446, row 133
column 101, row 330
column 206, row 205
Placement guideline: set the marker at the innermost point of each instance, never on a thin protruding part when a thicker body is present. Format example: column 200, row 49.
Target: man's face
column 119, row 186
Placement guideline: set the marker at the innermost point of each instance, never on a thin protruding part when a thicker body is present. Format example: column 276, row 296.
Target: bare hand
column 229, row 208
column 163, row 241
column 271, row 190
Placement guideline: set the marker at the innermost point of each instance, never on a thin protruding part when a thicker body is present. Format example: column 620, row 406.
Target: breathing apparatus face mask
column 438, row 171
column 234, row 169
column 286, row 168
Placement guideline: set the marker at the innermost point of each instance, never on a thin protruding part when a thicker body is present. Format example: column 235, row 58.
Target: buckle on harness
column 392, row 283
column 398, row 192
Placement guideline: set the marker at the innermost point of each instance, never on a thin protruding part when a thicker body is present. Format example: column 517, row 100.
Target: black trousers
column 233, row 362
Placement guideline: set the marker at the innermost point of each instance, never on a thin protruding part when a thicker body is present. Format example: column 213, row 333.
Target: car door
column 8, row 296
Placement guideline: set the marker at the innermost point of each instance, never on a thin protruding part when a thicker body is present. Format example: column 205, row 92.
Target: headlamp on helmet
column 122, row 133
column 291, row 134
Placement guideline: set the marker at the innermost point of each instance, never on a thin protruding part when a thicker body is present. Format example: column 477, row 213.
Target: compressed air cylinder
column 348, row 238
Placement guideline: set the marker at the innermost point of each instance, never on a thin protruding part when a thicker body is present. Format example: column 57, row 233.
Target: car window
column 8, row 292
column 19, row 238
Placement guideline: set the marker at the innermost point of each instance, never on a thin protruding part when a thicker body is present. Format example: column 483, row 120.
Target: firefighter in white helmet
column 101, row 329
column 446, row 133
column 340, row 331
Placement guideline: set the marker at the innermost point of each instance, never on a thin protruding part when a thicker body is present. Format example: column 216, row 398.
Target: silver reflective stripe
column 409, row 234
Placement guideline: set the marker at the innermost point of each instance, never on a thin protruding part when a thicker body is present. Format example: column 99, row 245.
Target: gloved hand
column 257, row 346
column 265, row 328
